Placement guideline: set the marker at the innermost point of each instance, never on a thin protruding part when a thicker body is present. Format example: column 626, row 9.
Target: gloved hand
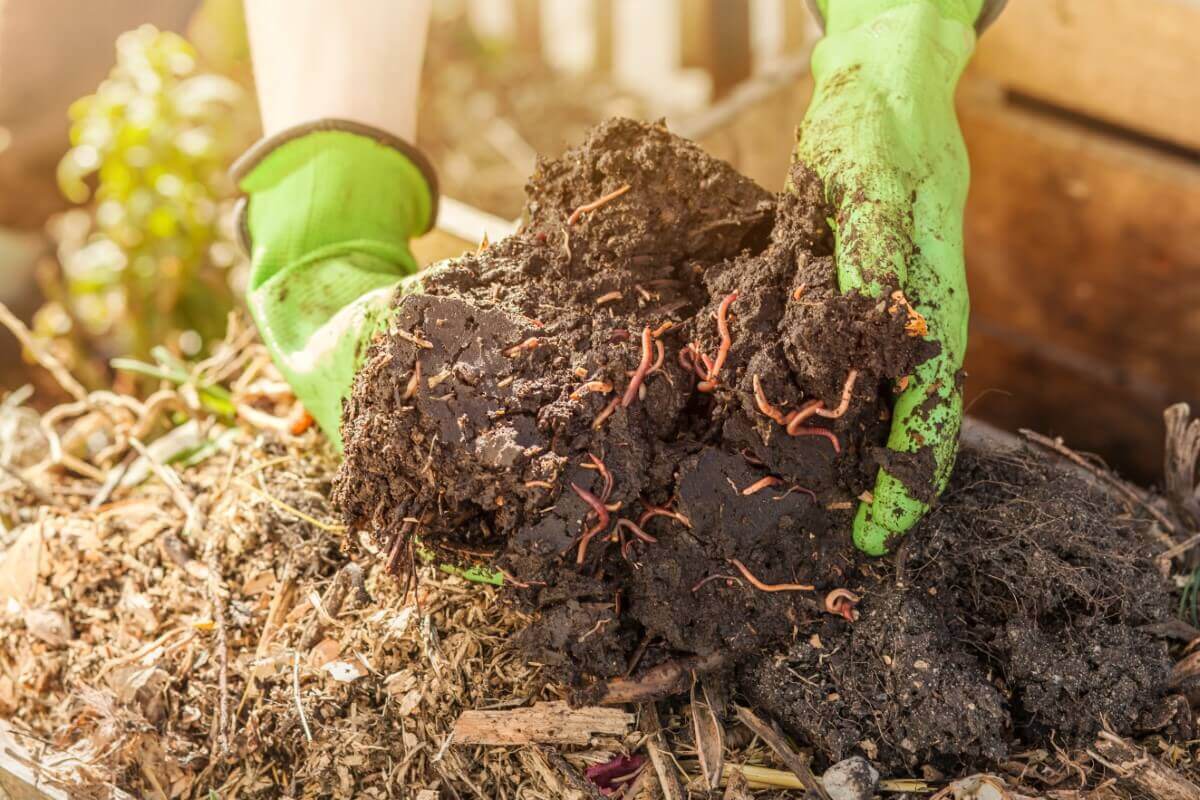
column 882, row 134
column 330, row 208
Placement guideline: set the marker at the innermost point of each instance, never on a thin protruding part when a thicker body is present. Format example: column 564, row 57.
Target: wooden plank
column 715, row 37
column 20, row 778
column 548, row 723
column 1085, row 281
column 1133, row 63
column 1082, row 263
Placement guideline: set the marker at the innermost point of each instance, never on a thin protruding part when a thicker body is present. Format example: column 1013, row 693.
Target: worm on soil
column 700, row 583
column 760, row 484
column 643, row 368
column 662, row 511
column 608, row 297
column 842, row 603
column 597, row 203
column 769, row 587
column 764, row 405
column 710, row 380
column 847, row 392
column 606, row 413
column 818, row 431
column 413, row 382
column 796, row 418
column 600, row 387
column 529, row 344
column 601, row 523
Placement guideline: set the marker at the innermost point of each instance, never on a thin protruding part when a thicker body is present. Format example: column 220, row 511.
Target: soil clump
column 655, row 413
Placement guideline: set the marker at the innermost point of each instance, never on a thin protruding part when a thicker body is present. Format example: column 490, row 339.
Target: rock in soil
column 851, row 779
column 599, row 406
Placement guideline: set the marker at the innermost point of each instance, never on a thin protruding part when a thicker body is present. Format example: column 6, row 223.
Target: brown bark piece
column 551, row 723
column 1134, row 765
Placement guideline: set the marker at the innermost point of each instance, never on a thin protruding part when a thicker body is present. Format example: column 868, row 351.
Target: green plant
column 148, row 263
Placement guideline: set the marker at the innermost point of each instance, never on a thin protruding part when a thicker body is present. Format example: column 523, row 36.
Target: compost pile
column 652, row 410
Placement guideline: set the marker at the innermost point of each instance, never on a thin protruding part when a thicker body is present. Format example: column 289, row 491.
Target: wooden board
column 1134, row 63
column 21, row 781
column 1082, row 260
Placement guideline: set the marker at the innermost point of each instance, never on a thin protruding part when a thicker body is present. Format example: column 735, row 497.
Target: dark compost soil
column 495, row 419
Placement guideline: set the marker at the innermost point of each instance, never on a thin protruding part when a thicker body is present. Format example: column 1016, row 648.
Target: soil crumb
column 654, row 412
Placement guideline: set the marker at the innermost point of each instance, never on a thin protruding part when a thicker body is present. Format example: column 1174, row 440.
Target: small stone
column 851, row 779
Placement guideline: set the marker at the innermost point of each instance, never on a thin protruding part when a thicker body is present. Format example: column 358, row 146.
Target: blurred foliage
column 149, row 260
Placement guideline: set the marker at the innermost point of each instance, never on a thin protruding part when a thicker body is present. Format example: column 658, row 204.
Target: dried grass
column 189, row 636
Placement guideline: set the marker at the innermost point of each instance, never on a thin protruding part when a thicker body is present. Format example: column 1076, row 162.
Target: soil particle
column 496, row 420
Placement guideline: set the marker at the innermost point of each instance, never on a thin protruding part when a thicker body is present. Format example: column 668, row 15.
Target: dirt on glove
column 655, row 413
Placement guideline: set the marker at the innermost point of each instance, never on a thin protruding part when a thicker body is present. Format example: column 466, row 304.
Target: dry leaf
column 709, row 735
column 19, row 567
column 323, row 652
column 49, row 626
column 345, row 671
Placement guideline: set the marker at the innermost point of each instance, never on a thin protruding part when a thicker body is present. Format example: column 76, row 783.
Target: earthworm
column 764, row 405
column 798, row 488
column 658, row 361
column 601, row 523
column 661, row 329
column 662, row 511
column 538, row 485
column 605, row 413
column 847, row 391
column 796, row 418
column 605, row 475
column 600, row 387
column 816, row 431
column 597, row 203
column 608, row 297
column 710, row 578
column 630, row 526
column 529, row 344
column 643, row 368
column 761, row 484
column 413, row 382
column 769, row 587
column 842, row 602
column 710, row 381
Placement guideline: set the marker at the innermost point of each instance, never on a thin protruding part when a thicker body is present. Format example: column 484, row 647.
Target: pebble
column 851, row 779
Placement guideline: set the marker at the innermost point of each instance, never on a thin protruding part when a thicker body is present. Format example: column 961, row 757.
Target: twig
column 659, row 681
column 595, row 204
column 660, row 757
column 769, row 587
column 33, row 488
column 296, row 695
column 793, row 760
column 44, row 357
column 311, row 520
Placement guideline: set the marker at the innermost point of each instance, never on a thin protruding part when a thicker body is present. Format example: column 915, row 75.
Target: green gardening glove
column 330, row 208
column 882, row 134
